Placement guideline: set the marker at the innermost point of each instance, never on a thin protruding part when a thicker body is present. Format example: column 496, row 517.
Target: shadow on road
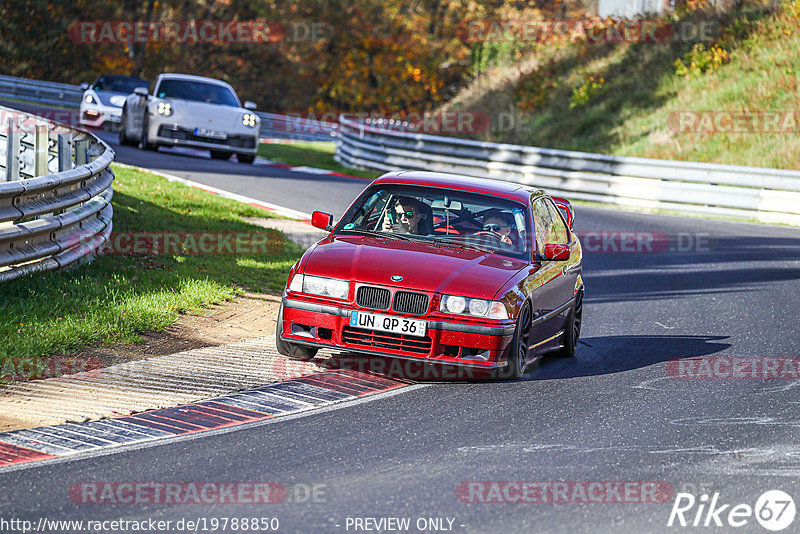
column 616, row 354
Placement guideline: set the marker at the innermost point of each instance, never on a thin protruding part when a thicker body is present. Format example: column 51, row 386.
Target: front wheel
column 518, row 355
column 572, row 330
column 143, row 143
column 292, row 350
column 123, row 133
column 246, row 158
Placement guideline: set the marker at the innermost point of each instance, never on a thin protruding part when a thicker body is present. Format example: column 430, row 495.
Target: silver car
column 191, row 111
column 101, row 105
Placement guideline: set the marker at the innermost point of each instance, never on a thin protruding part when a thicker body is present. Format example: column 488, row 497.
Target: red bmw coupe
column 440, row 268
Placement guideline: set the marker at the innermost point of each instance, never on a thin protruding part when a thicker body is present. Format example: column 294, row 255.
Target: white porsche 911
column 191, row 111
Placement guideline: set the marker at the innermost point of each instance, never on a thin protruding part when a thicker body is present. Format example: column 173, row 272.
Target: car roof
column 191, row 78
column 121, row 77
column 464, row 183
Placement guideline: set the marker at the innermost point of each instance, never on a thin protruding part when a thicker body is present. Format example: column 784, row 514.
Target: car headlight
column 89, row 99
column 164, row 108
column 476, row 307
column 317, row 285
column 249, row 120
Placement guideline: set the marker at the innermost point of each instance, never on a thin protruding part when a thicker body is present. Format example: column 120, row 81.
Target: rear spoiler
column 566, row 210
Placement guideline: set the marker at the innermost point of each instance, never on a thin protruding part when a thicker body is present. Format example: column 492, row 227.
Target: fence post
column 81, row 152
column 12, row 151
column 41, row 143
column 64, row 153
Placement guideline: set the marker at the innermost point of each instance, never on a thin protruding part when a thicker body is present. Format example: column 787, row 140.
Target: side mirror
column 84, row 86
column 249, row 105
column 141, row 91
column 555, row 252
column 320, row 219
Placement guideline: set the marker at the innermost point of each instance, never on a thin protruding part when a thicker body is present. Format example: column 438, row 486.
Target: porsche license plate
column 213, row 134
column 388, row 323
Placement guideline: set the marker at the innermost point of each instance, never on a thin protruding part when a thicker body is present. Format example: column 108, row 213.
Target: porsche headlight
column 164, row 108
column 476, row 307
column 249, row 120
column 317, row 285
column 89, row 99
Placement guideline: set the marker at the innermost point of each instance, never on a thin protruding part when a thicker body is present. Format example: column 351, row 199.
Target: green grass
column 117, row 297
column 631, row 113
column 311, row 154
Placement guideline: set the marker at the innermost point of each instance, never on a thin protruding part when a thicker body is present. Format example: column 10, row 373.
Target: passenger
column 407, row 216
column 501, row 224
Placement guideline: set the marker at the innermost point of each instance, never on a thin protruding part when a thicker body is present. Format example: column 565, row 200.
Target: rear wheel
column 220, row 154
column 519, row 348
column 572, row 330
column 292, row 350
column 246, row 158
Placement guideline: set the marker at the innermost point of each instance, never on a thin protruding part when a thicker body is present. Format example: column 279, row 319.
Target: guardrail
column 737, row 192
column 55, row 195
column 69, row 96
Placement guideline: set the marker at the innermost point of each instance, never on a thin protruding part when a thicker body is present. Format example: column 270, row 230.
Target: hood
column 203, row 115
column 424, row 267
column 111, row 98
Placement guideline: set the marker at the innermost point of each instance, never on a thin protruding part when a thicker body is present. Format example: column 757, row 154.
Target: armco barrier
column 55, row 195
column 69, row 96
column 766, row 195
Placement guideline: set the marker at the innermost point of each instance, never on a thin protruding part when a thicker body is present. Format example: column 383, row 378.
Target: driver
column 407, row 216
column 501, row 224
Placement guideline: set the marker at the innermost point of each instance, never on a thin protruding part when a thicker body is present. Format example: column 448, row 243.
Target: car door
column 564, row 283
column 550, row 299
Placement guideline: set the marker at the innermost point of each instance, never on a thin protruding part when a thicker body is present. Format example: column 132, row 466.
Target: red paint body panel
column 436, row 270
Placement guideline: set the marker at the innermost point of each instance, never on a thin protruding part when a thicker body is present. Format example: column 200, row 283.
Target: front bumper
column 459, row 343
column 97, row 115
column 177, row 135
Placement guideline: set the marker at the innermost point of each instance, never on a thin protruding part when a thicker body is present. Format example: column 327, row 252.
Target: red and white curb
column 257, row 404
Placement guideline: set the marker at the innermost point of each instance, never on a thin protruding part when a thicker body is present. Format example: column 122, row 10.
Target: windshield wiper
column 404, row 237
column 469, row 246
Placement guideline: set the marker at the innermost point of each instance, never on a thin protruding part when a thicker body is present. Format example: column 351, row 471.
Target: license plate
column 213, row 134
column 388, row 323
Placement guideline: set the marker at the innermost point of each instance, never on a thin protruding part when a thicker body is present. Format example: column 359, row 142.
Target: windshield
column 197, row 92
column 445, row 217
column 118, row 84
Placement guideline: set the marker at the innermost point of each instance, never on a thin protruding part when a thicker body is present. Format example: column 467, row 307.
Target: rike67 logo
column 774, row 510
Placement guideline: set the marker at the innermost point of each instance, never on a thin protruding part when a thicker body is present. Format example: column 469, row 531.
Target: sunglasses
column 408, row 214
column 494, row 227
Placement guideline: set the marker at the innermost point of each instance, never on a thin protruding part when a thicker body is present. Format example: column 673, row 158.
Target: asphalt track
column 613, row 413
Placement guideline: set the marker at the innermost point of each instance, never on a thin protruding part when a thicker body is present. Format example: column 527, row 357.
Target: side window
column 541, row 223
column 558, row 230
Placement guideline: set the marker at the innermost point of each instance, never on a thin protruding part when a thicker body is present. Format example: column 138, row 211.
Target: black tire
column 221, row 154
column 519, row 347
column 572, row 329
column 143, row 143
column 292, row 350
column 123, row 137
column 246, row 158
